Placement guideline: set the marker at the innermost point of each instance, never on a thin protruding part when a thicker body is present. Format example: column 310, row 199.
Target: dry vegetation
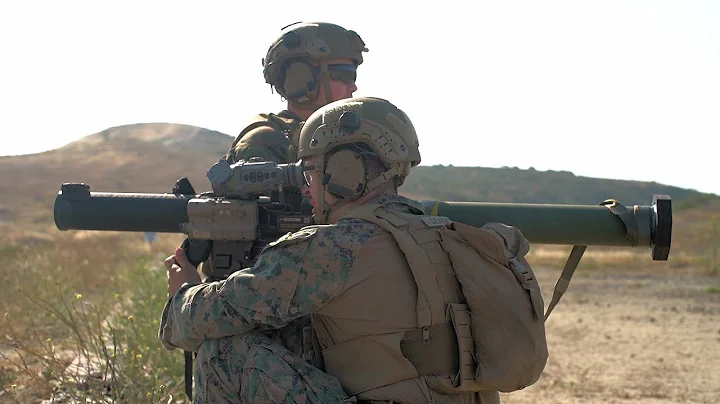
column 628, row 330
column 71, row 297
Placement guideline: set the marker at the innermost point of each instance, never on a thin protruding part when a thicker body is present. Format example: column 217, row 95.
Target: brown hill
column 146, row 157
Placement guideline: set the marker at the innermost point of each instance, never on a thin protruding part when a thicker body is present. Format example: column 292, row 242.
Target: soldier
column 309, row 65
column 348, row 273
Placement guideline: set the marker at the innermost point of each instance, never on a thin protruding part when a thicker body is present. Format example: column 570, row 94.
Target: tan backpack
column 500, row 327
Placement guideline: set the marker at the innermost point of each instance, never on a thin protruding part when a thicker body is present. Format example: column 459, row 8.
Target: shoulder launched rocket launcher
column 235, row 210
column 252, row 204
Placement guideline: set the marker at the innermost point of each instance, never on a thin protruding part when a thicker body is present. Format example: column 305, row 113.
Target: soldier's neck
column 302, row 113
column 340, row 211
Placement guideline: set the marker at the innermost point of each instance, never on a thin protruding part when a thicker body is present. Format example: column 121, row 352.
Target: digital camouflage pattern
column 270, row 136
column 250, row 368
column 292, row 278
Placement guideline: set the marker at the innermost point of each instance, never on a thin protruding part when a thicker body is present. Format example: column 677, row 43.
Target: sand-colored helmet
column 288, row 65
column 344, row 130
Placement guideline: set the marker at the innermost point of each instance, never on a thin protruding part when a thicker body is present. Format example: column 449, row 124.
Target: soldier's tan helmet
column 375, row 122
column 309, row 41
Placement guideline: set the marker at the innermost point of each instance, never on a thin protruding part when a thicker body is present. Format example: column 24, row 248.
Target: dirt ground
column 630, row 337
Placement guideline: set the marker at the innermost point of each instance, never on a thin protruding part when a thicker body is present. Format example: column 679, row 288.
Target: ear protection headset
column 345, row 174
column 299, row 81
column 346, row 171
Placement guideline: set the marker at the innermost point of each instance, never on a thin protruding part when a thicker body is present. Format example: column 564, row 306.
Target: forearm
column 284, row 284
column 198, row 312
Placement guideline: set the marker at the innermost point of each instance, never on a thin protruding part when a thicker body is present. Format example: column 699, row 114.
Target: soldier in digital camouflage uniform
column 348, row 274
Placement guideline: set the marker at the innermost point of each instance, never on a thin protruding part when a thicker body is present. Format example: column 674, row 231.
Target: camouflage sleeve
column 293, row 277
column 264, row 142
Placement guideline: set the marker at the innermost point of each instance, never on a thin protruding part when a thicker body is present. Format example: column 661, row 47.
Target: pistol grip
column 197, row 251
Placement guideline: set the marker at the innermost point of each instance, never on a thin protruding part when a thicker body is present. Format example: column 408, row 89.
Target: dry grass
column 619, row 259
column 92, row 299
column 42, row 264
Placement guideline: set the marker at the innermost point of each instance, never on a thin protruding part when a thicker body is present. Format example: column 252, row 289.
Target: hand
column 180, row 270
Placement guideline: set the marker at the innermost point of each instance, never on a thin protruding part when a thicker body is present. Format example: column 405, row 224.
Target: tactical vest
column 479, row 311
column 284, row 122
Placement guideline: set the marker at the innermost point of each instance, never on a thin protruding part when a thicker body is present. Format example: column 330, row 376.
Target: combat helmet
column 346, row 130
column 288, row 65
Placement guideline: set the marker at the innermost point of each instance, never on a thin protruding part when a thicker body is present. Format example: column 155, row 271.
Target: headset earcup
column 345, row 174
column 299, row 82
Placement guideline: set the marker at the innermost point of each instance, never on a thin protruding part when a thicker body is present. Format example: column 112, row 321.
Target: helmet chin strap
column 323, row 214
column 324, row 209
column 325, row 82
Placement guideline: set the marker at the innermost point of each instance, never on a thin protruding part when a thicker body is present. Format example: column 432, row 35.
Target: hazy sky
column 611, row 89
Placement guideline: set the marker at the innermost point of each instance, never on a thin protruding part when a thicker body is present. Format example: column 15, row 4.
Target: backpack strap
column 430, row 304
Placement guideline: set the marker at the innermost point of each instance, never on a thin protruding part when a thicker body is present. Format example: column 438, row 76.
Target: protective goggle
column 347, row 73
column 307, row 170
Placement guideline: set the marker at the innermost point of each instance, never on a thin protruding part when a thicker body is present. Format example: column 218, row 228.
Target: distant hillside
column 507, row 184
column 150, row 157
column 146, row 157
column 135, row 137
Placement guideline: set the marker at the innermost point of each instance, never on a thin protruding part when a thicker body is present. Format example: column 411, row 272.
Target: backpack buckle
column 520, row 269
column 426, row 335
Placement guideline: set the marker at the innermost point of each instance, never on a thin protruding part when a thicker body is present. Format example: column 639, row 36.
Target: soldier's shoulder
column 285, row 118
column 262, row 123
column 263, row 134
column 338, row 245
column 281, row 122
column 303, row 235
column 353, row 228
column 347, row 235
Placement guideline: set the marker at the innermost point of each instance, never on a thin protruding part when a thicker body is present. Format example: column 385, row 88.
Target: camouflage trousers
column 250, row 368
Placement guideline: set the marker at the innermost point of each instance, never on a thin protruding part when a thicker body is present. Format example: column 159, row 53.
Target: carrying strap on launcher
column 631, row 231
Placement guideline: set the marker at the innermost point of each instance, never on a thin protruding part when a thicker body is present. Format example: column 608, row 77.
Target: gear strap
column 189, row 374
column 563, row 282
